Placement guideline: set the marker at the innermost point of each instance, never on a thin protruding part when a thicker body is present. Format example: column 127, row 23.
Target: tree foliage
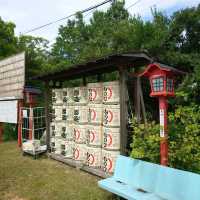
column 8, row 40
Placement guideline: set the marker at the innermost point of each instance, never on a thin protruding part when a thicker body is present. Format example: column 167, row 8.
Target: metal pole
column 163, row 105
column 30, row 122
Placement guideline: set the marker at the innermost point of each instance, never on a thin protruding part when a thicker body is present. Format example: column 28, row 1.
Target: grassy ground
column 23, row 178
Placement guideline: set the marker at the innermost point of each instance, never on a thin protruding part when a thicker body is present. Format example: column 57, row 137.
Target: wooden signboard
column 12, row 77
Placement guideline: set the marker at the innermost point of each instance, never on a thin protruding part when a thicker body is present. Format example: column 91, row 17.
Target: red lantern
column 162, row 86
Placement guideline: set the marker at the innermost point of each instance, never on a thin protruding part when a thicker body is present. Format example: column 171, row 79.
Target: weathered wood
column 138, row 97
column 142, row 102
column 101, row 65
column 12, row 76
column 77, row 164
column 123, row 111
column 47, row 96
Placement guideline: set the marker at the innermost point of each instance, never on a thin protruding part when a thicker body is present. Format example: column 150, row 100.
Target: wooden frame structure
column 115, row 62
column 123, row 63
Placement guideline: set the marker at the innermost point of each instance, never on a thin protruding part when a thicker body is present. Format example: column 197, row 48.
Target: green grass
column 23, row 178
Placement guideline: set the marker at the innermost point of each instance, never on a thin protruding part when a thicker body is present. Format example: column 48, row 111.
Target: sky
column 28, row 14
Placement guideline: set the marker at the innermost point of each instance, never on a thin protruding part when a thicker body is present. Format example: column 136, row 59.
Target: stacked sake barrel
column 85, row 124
column 56, row 124
column 111, row 125
column 67, row 143
column 80, row 118
column 95, row 122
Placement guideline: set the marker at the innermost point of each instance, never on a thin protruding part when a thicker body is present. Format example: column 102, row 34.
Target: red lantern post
column 162, row 86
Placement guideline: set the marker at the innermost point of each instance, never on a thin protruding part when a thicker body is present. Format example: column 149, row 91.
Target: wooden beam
column 47, row 97
column 123, row 111
column 142, row 102
column 138, row 98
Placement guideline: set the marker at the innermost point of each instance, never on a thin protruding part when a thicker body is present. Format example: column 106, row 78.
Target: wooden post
column 19, row 126
column 1, row 132
column 47, row 112
column 123, row 111
column 137, row 98
column 142, row 103
column 30, row 135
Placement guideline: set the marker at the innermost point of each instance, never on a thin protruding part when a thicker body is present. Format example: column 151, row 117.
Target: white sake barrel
column 67, row 149
column 95, row 113
column 52, row 129
column 69, row 133
column 57, row 112
column 79, row 152
column 58, row 149
column 111, row 115
column 68, row 113
column 81, row 114
column 93, row 157
column 52, row 139
column 111, row 138
column 80, row 134
column 67, row 95
column 108, row 160
column 95, row 92
column 64, row 113
column 57, row 96
column 111, row 92
column 80, row 95
column 94, row 135
column 52, row 144
column 58, row 129
column 63, row 129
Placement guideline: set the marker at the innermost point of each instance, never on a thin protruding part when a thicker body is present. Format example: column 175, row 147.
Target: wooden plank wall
column 12, row 76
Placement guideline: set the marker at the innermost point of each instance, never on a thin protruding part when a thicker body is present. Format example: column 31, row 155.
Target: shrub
column 184, row 139
column 10, row 132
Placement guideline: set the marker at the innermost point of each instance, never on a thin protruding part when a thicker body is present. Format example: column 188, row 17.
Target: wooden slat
column 77, row 164
column 123, row 111
column 47, row 96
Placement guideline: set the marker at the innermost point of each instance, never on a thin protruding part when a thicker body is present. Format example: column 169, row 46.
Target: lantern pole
column 163, row 105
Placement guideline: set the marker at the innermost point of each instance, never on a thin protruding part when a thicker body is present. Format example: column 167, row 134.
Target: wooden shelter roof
column 101, row 65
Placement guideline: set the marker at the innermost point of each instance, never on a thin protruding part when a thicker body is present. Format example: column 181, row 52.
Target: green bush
column 145, row 144
column 184, row 139
column 10, row 132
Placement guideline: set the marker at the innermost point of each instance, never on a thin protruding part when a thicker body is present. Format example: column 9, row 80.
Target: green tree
column 37, row 53
column 8, row 40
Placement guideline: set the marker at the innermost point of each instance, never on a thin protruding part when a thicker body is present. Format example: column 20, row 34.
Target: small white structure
column 33, row 124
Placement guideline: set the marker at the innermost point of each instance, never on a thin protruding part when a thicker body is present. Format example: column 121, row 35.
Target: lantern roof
column 162, row 67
